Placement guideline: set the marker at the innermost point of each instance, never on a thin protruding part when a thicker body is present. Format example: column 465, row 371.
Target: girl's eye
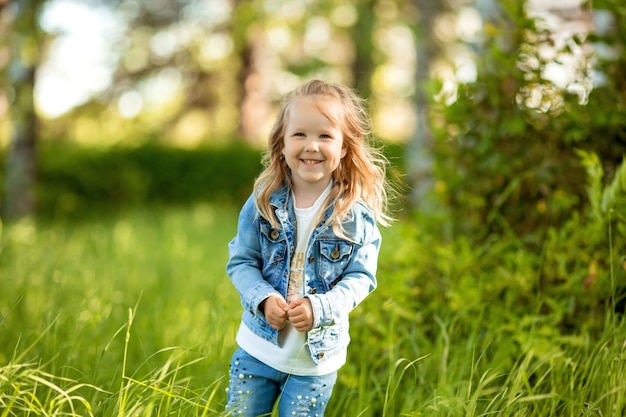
column 298, row 134
column 325, row 136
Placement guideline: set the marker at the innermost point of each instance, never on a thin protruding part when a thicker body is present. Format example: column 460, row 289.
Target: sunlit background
column 205, row 71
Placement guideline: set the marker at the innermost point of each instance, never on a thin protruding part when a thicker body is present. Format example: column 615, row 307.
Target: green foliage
column 614, row 194
column 506, row 148
column 595, row 174
column 133, row 315
column 498, row 328
column 66, row 290
column 78, row 179
column 607, row 203
column 26, row 388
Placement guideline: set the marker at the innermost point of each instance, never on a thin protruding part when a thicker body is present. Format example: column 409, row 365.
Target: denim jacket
column 339, row 273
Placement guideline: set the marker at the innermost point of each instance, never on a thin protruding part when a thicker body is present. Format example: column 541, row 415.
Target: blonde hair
column 360, row 174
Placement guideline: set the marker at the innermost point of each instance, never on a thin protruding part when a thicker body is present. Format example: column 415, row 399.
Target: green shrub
column 491, row 327
column 75, row 179
column 506, row 146
column 497, row 325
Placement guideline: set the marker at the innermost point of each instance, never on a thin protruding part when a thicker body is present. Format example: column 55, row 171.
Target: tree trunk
column 362, row 35
column 420, row 157
column 20, row 180
column 254, row 107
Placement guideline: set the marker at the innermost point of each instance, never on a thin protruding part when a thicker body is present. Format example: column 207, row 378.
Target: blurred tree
column 506, row 142
column 193, row 71
column 166, row 44
column 420, row 152
column 24, row 37
column 248, row 31
column 362, row 35
column 281, row 43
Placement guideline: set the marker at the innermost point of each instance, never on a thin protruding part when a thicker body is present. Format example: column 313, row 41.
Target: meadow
column 132, row 314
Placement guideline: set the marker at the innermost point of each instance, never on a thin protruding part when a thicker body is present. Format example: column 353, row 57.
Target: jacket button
column 335, row 253
column 320, row 355
column 313, row 290
column 274, row 234
column 311, row 259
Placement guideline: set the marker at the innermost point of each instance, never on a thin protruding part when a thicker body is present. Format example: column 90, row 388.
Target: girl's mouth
column 310, row 161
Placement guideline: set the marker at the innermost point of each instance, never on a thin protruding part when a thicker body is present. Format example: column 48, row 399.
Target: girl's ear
column 344, row 152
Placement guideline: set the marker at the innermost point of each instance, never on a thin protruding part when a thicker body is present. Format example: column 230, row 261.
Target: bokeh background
column 131, row 132
column 480, row 103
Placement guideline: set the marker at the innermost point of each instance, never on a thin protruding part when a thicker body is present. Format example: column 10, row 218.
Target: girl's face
column 313, row 145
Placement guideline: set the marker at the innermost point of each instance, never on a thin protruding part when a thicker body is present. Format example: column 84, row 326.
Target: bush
column 492, row 327
column 75, row 179
column 508, row 162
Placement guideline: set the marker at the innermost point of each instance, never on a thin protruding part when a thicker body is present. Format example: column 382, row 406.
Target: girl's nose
column 311, row 145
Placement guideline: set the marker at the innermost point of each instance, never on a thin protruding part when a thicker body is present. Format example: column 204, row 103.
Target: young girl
column 305, row 253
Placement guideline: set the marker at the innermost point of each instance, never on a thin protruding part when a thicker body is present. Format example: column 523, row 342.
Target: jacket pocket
column 273, row 244
column 334, row 257
column 273, row 254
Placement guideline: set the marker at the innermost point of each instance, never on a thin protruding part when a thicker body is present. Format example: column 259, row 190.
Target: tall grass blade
column 125, row 386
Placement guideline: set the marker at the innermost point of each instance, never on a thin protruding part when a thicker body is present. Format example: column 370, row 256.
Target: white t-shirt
column 292, row 355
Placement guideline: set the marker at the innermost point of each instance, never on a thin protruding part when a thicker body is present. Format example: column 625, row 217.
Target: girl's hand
column 301, row 314
column 275, row 310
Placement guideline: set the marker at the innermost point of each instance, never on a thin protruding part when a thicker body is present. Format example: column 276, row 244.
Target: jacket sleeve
column 245, row 264
column 357, row 282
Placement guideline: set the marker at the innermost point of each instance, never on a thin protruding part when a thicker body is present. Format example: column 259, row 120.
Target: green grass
column 133, row 315
column 69, row 292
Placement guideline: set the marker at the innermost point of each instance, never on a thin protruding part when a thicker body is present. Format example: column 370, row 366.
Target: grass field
column 133, row 315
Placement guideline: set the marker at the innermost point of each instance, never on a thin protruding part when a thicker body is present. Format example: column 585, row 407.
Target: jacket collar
column 279, row 198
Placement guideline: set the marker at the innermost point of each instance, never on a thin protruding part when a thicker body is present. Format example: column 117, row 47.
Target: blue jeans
column 255, row 387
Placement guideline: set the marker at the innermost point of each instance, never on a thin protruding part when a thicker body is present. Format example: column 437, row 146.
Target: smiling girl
column 305, row 253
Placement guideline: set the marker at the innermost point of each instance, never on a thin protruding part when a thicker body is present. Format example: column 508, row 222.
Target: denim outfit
column 339, row 274
column 300, row 396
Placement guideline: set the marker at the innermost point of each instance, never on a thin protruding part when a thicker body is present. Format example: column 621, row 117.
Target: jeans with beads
column 255, row 388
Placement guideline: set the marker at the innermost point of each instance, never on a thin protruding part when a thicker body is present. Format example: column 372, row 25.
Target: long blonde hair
column 360, row 174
